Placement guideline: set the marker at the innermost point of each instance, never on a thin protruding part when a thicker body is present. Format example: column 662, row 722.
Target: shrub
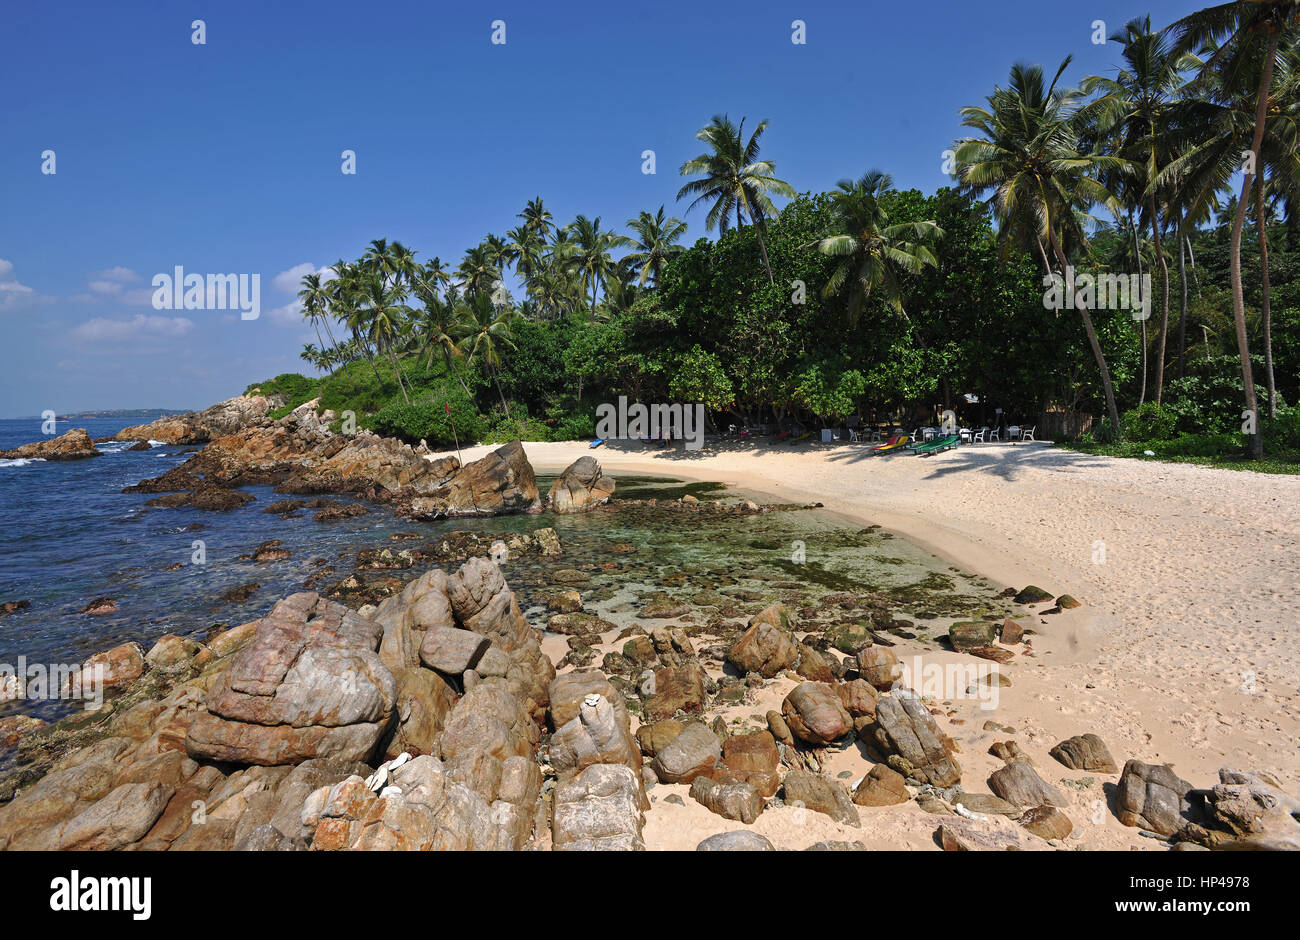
column 519, row 426
column 1148, row 422
column 428, row 420
column 574, row 428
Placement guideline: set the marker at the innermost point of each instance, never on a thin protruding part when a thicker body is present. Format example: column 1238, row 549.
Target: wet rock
column 1020, row 784
column 198, row 427
column 580, row 487
column 501, row 482
column 567, row 601
column 1085, row 752
column 820, row 794
column 739, row 840
column 814, row 713
column 548, row 543
column 112, row 668
column 968, row 635
column 1032, row 595
column 71, row 445
column 579, row 624
column 100, row 605
column 12, row 607
column 13, row 728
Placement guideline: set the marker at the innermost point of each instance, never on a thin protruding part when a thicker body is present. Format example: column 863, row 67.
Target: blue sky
column 225, row 157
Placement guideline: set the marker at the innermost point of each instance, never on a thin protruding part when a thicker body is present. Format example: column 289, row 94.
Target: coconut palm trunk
column 1264, row 302
column 1162, row 339
column 1106, row 385
column 1255, row 444
column 1182, row 315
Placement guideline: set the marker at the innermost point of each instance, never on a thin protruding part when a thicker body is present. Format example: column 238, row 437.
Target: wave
column 21, row 461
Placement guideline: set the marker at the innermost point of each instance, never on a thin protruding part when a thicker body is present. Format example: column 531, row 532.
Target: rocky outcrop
column 501, row 482
column 581, row 486
column 301, row 455
column 200, row 427
column 1248, row 810
column 310, row 684
column 72, row 445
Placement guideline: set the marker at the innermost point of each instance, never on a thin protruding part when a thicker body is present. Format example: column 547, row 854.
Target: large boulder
column 675, row 689
column 1020, row 784
column 310, row 684
column 72, row 445
column 738, row 840
column 753, row 758
column 1152, row 797
column 1085, row 752
column 814, row 713
column 581, row 486
column 501, row 482
column 1253, row 808
column 765, row 648
column 695, row 751
column 880, row 667
column 599, row 808
column 903, row 727
column 821, row 794
column 599, row 734
column 734, row 800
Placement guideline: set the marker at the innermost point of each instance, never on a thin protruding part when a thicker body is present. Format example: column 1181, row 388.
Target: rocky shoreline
column 393, row 711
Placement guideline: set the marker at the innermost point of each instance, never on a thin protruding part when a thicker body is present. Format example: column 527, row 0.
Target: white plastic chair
column 995, row 434
column 979, row 436
column 1028, row 433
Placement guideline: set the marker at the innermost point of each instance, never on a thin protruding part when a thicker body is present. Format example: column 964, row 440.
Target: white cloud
column 104, row 328
column 120, row 274
column 290, row 282
column 11, row 292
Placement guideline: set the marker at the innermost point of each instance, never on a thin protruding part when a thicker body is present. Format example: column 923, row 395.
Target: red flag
column 447, row 408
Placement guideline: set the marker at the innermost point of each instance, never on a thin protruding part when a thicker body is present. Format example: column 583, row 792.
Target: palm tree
column 1029, row 154
column 524, row 250
column 1137, row 104
column 591, row 255
column 487, row 329
column 538, row 219
column 734, row 180
column 384, row 316
column 1246, row 37
column 872, row 251
column 315, row 304
column 478, row 271
column 654, row 243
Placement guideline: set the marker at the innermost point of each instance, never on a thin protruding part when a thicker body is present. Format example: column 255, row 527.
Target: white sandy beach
column 1186, row 651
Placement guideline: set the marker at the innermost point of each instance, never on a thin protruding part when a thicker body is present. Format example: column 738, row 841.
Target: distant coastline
column 109, row 413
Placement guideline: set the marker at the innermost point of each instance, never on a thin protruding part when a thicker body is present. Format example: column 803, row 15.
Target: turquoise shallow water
column 69, row 535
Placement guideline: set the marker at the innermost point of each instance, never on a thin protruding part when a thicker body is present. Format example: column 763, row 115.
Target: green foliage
column 575, row 427
column 427, row 419
column 1209, row 400
column 700, row 378
column 295, row 388
column 518, row 426
column 1148, row 422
